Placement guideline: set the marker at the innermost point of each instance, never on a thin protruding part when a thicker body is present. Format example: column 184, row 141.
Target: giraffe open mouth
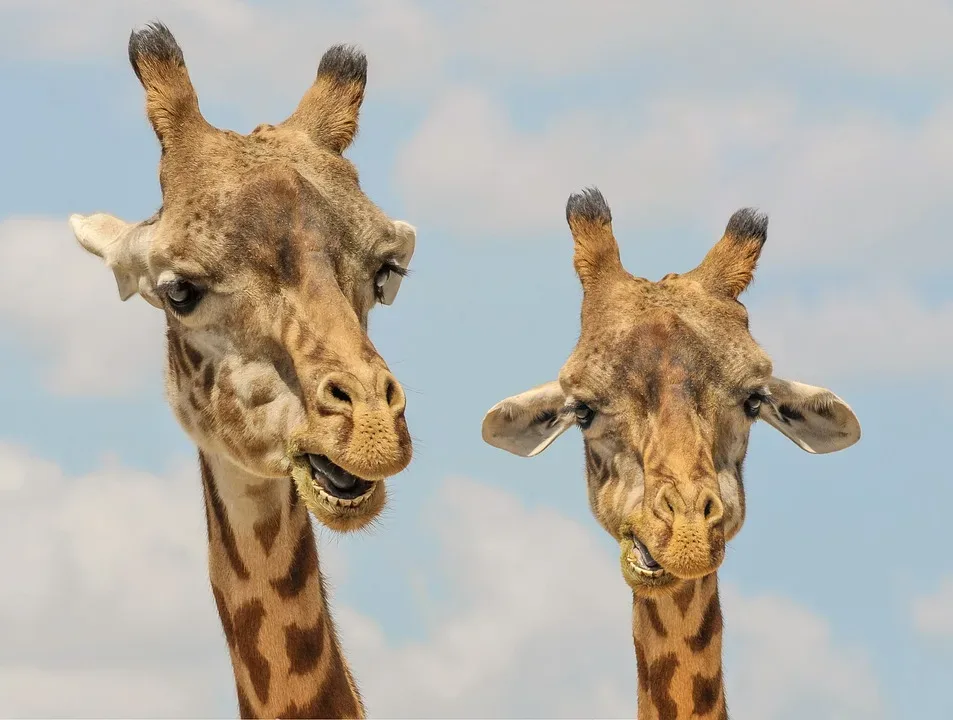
column 336, row 485
column 641, row 560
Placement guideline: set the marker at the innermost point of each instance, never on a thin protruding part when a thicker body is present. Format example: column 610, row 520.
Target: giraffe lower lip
column 335, row 480
column 643, row 558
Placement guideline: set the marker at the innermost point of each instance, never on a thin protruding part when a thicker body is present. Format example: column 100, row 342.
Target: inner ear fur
column 528, row 423
column 123, row 246
column 814, row 418
column 407, row 239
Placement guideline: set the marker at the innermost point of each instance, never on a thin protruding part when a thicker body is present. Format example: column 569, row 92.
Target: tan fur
column 659, row 380
column 272, row 364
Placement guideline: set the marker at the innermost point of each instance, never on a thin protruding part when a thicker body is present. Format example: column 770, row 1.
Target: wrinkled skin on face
column 665, row 383
column 266, row 259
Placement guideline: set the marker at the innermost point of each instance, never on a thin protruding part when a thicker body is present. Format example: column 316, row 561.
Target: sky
column 488, row 590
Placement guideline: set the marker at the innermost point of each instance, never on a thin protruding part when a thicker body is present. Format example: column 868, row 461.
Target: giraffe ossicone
column 266, row 258
column 665, row 383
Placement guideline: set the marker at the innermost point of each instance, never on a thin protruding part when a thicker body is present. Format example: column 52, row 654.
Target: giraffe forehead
column 262, row 210
column 645, row 354
column 664, row 342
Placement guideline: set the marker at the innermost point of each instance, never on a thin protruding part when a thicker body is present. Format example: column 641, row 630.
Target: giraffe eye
column 584, row 415
column 753, row 405
column 383, row 275
column 183, row 296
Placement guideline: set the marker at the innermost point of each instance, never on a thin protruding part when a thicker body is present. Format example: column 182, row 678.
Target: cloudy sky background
column 488, row 590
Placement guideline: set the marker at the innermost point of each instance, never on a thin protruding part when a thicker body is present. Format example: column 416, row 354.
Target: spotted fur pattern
column 667, row 367
column 678, row 653
column 283, row 255
column 268, row 587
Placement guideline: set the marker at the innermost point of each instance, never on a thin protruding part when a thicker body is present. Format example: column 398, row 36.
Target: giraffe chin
column 341, row 514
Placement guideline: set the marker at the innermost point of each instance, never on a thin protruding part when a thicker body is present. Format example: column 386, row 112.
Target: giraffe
column 266, row 258
column 665, row 382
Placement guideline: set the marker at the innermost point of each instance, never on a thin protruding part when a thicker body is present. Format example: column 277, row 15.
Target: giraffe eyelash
column 391, row 267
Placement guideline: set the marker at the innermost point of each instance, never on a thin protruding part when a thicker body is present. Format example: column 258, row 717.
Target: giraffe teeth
column 642, row 571
column 342, row 502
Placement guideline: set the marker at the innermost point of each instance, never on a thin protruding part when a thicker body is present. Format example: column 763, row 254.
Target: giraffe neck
column 678, row 653
column 263, row 567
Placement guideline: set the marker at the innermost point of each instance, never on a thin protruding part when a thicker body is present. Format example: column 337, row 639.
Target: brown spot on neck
column 266, row 531
column 661, row 673
column 220, row 517
column 705, row 693
column 677, row 640
column 224, row 615
column 268, row 501
column 642, row 666
column 284, row 649
column 650, row 610
column 247, row 622
column 683, row 597
column 710, row 626
column 304, row 564
column 245, row 708
column 304, row 647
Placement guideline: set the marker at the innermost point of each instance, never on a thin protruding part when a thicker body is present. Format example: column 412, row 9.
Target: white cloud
column 414, row 43
column 62, row 303
column 741, row 37
column 853, row 192
column 109, row 693
column 857, row 332
column 782, row 663
column 237, row 52
column 110, row 613
column 470, row 169
column 933, row 613
column 535, row 623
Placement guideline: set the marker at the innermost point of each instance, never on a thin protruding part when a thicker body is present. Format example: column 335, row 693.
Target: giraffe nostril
column 711, row 507
column 339, row 394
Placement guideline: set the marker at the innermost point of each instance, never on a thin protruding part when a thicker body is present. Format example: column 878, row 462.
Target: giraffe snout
column 356, row 419
column 691, row 522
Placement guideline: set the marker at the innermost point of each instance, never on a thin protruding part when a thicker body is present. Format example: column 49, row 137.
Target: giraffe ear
column 814, row 418
column 124, row 247
column 407, row 241
column 528, row 423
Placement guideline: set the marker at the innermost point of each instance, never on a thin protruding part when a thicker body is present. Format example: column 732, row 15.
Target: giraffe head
column 665, row 383
column 266, row 258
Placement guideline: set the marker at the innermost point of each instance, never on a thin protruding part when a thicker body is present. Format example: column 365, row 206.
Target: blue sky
column 488, row 589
